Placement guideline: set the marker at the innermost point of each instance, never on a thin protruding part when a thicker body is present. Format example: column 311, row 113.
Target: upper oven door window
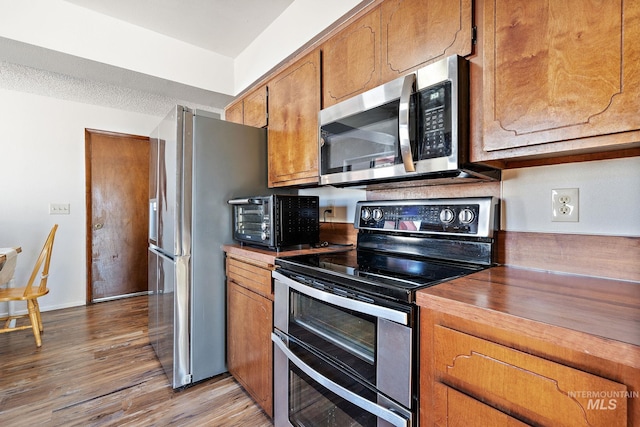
column 347, row 336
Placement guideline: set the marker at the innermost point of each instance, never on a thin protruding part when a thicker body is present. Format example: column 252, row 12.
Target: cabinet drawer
column 250, row 276
column 528, row 387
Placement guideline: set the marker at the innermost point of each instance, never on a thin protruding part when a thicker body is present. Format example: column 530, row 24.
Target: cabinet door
column 351, row 60
column 559, row 70
column 255, row 108
column 533, row 388
column 294, row 104
column 418, row 32
column 456, row 409
column 249, row 347
column 235, row 112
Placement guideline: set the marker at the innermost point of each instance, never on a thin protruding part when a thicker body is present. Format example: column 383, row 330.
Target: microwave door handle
column 389, row 415
column 403, row 122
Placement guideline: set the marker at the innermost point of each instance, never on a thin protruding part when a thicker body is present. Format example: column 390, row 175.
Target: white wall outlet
column 564, row 205
column 59, row 209
column 330, row 210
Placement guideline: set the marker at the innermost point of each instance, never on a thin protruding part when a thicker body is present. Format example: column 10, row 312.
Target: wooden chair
column 31, row 294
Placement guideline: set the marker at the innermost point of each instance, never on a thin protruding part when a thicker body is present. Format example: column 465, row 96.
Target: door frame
column 88, row 201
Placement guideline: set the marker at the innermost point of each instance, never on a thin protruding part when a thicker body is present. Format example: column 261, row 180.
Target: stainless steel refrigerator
column 197, row 163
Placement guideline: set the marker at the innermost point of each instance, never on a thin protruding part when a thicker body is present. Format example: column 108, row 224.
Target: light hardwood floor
column 97, row 368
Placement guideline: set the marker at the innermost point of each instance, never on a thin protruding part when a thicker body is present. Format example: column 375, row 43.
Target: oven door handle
column 352, row 304
column 392, row 415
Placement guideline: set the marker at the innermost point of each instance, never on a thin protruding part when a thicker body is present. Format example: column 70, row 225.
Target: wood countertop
column 269, row 256
column 540, row 302
column 587, row 323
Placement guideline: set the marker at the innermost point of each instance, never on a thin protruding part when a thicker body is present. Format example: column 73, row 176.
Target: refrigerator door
column 168, row 316
column 230, row 161
column 169, row 244
column 165, row 184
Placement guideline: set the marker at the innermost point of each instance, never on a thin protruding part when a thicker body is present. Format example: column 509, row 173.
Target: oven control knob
column 264, row 235
column 447, row 216
column 377, row 214
column 365, row 214
column 466, row 216
column 264, row 226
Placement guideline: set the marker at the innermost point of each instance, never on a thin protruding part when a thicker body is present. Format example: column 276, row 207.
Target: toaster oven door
column 251, row 221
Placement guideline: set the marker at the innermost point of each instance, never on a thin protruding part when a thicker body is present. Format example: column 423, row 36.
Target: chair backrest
column 45, row 257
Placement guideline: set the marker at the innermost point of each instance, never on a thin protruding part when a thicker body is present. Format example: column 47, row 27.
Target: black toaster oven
column 276, row 221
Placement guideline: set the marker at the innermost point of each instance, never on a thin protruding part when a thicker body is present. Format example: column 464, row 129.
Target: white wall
column 42, row 158
column 298, row 24
column 609, row 197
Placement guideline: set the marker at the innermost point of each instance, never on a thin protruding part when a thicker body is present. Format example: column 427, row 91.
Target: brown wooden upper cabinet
column 294, row 103
column 418, row 32
column 255, row 108
column 235, row 112
column 351, row 60
column 391, row 40
column 558, row 74
column 251, row 110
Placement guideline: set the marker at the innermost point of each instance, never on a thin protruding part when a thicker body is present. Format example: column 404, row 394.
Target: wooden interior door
column 117, row 174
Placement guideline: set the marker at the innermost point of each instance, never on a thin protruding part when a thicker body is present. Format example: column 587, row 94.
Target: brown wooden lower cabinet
column 529, row 387
column 249, row 326
column 514, row 347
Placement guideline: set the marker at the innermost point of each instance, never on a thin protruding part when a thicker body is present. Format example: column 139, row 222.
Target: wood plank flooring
column 97, row 368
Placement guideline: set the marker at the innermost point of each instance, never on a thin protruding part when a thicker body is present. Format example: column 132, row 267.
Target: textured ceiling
column 40, row 71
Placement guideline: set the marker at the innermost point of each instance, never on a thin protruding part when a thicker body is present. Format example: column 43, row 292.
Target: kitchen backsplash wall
column 609, row 197
column 608, row 192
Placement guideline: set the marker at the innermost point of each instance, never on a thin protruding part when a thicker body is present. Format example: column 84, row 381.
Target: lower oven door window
column 310, row 404
column 319, row 393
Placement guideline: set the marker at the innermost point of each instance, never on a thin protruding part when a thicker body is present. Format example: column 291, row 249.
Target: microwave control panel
column 435, row 121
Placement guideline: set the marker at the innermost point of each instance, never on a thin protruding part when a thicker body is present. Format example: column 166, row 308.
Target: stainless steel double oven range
column 346, row 324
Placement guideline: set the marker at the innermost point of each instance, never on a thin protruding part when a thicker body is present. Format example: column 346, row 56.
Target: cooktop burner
column 380, row 274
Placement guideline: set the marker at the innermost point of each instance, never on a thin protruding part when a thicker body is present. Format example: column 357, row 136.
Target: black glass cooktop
column 375, row 273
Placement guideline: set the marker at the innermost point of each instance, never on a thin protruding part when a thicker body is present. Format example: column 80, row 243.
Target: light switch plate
column 59, row 209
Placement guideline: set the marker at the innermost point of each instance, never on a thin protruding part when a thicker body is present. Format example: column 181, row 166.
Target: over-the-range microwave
column 414, row 127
